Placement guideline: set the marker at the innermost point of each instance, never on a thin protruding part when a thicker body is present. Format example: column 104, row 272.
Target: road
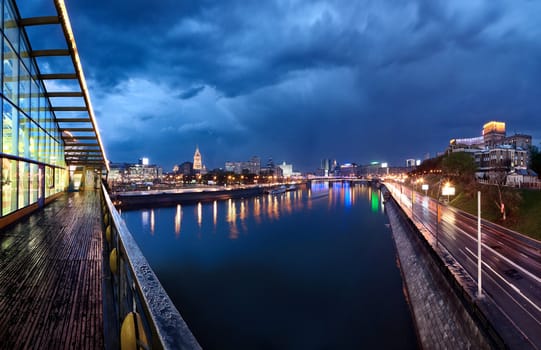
column 511, row 268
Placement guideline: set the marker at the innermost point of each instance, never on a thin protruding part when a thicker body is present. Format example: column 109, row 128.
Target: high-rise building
column 197, row 162
column 325, row 167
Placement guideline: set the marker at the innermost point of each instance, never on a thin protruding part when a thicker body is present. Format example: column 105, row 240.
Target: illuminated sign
column 425, row 187
column 384, row 165
column 448, row 191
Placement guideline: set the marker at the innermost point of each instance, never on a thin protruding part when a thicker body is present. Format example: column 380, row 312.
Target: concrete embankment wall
column 441, row 318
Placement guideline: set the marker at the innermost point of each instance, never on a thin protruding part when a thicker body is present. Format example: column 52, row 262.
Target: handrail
column 136, row 287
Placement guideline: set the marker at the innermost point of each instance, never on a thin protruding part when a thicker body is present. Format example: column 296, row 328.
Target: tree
column 535, row 160
column 459, row 164
column 506, row 199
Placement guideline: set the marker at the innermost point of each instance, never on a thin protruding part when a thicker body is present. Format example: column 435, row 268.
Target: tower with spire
column 197, row 163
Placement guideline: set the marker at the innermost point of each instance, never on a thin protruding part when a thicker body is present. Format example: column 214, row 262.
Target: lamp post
column 479, row 261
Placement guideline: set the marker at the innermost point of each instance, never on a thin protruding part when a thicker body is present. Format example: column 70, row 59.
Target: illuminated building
column 197, row 162
column 410, row 163
column 502, row 157
column 253, row 166
column 185, row 168
column 494, row 150
column 49, row 140
column 287, row 169
column 493, row 133
column 136, row 174
column 349, row 169
column 325, row 167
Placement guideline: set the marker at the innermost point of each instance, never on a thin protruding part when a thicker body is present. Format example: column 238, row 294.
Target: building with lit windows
column 134, row 174
column 494, row 149
column 49, row 140
column 253, row 166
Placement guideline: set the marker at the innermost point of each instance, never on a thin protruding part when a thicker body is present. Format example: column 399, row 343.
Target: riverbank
column 164, row 198
column 442, row 321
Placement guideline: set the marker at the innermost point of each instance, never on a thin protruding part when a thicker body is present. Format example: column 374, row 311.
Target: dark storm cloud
column 191, row 92
column 306, row 80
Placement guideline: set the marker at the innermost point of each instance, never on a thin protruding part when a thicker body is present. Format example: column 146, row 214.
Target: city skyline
column 304, row 81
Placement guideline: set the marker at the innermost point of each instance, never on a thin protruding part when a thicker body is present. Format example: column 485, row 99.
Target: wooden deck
column 51, row 277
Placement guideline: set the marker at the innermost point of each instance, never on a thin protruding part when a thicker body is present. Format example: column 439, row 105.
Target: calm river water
column 313, row 268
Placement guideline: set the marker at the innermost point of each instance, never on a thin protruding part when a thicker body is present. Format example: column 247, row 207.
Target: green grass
column 526, row 220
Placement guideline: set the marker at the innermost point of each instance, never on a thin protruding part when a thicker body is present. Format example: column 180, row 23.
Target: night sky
column 299, row 81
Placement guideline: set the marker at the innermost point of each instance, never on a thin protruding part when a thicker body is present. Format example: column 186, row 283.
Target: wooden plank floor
column 51, row 277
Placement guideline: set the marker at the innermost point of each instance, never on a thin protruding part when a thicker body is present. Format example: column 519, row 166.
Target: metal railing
column 136, row 289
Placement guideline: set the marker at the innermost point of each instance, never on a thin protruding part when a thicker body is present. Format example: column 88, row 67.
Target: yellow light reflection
column 276, row 208
column 199, row 214
column 269, row 206
column 242, row 211
column 232, row 220
column 257, row 210
column 215, row 213
column 178, row 219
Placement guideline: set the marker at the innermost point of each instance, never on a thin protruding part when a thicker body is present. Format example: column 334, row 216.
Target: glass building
column 49, row 139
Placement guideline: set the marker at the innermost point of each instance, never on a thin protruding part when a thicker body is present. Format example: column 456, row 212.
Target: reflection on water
column 214, row 213
column 312, row 268
column 269, row 207
column 374, row 199
column 199, row 214
column 178, row 219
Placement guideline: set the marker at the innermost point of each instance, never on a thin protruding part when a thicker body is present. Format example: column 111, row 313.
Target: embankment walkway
column 51, row 277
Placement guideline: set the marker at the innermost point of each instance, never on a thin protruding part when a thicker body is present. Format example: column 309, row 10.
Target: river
column 314, row 268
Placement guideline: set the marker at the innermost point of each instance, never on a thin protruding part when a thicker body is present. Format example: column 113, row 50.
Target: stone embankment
column 441, row 319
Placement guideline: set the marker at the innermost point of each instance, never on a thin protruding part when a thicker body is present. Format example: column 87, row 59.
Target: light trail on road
column 511, row 267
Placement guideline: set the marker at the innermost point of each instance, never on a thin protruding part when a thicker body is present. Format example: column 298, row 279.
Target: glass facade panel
column 23, row 135
column 49, row 181
column 9, row 128
column 34, row 182
column 30, row 142
column 33, row 141
column 24, row 90
column 60, row 179
column 9, row 186
column 11, row 30
column 34, row 101
column 11, row 72
column 24, row 184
